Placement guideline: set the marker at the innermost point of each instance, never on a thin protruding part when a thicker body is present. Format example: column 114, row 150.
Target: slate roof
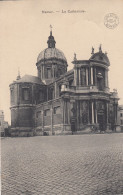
column 51, row 53
column 30, row 79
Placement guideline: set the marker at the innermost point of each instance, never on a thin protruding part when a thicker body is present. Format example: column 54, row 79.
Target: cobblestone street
column 66, row 165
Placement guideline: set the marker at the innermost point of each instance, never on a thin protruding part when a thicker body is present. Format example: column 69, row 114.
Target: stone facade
column 58, row 101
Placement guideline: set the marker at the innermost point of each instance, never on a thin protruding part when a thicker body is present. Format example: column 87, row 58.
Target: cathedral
column 60, row 102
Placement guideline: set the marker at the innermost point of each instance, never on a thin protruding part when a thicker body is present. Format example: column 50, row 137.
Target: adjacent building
column 58, row 101
column 3, row 124
column 120, row 117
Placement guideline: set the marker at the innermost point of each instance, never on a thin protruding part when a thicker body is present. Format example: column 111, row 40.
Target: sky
column 25, row 29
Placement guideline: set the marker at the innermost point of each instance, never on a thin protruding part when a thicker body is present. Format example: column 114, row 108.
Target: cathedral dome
column 51, row 52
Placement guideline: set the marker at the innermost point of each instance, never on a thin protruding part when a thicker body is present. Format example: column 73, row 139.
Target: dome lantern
column 51, row 41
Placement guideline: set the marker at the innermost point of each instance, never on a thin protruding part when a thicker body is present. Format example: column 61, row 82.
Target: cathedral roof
column 30, row 79
column 51, row 52
column 100, row 57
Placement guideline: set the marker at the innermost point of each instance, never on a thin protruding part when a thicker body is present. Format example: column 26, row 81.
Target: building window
column 41, row 96
column 83, row 77
column 50, row 93
column 38, row 114
column 121, row 114
column 48, row 73
column 47, row 112
column 59, row 72
column 71, row 82
column 121, row 122
column 26, row 94
column 12, row 95
column 56, row 110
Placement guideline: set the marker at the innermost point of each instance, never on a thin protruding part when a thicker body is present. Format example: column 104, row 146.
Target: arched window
column 50, row 93
column 48, row 73
column 59, row 72
column 26, row 94
column 83, row 76
column 12, row 95
column 71, row 82
column 41, row 96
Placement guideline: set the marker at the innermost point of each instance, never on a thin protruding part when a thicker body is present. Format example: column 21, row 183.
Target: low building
column 120, row 117
column 3, row 124
column 58, row 101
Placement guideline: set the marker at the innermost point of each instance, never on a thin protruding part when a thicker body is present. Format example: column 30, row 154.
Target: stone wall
column 50, row 118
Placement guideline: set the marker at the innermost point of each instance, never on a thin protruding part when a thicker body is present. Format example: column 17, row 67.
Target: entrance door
column 73, row 124
column 101, row 121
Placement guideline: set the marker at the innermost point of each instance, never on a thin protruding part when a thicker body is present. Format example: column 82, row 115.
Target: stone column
column 88, row 112
column 96, row 112
column 32, row 94
column 91, row 75
column 47, row 94
column 41, row 72
column 55, row 90
column 63, row 112
column 87, row 76
column 92, row 106
column 68, row 107
column 115, row 106
column 43, row 76
column 51, row 119
column 77, row 125
column 107, row 112
column 42, row 120
column 95, row 76
column 106, row 78
column 66, row 114
column 75, row 76
column 79, row 77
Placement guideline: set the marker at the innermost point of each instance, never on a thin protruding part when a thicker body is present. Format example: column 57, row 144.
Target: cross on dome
column 51, row 29
column 100, row 48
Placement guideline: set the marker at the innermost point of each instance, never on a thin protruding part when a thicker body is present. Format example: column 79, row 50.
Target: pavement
column 64, row 165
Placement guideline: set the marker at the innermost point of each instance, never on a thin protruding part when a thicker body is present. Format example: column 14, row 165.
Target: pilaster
column 87, row 76
column 79, row 77
column 92, row 81
column 75, row 76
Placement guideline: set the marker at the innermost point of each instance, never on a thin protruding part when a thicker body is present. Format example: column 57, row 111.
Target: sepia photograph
column 61, row 100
